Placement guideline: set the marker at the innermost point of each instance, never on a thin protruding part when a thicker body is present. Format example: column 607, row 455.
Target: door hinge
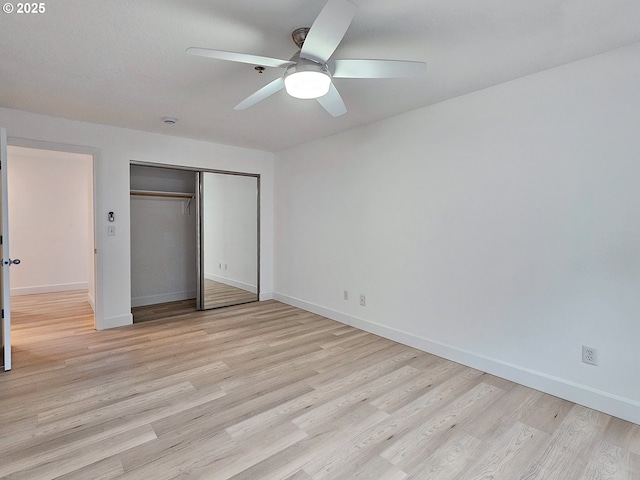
column 0, row 239
column 3, row 313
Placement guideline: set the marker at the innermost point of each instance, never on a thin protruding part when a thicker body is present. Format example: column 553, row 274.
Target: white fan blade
column 332, row 102
column 375, row 68
column 238, row 57
column 266, row 91
column 327, row 30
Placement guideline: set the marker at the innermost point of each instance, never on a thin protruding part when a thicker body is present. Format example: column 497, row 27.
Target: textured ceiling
column 122, row 62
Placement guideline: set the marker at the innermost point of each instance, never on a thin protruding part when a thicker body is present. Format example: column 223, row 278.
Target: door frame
column 5, row 300
column 98, row 269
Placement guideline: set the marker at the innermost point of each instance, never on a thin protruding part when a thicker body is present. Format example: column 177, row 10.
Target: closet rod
column 152, row 193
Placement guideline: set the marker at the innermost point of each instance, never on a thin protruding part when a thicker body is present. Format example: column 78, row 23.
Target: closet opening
column 194, row 239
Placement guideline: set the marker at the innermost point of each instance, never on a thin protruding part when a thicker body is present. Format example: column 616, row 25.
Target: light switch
column 111, row 230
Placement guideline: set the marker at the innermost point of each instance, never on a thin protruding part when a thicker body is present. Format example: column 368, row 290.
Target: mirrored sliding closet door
column 229, row 223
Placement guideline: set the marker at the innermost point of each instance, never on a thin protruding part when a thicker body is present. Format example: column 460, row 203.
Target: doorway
column 51, row 222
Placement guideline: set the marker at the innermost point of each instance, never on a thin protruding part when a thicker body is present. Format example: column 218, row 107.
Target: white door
column 5, row 332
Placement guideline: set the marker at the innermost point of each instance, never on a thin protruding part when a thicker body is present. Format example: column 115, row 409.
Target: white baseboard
column 231, row 283
column 92, row 302
column 112, row 322
column 162, row 298
column 62, row 287
column 617, row 406
column 266, row 296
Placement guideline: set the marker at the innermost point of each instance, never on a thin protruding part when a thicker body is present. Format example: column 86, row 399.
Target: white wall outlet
column 363, row 300
column 346, row 295
column 589, row 355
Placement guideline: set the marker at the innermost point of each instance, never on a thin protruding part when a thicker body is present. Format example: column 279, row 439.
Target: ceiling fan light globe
column 307, row 84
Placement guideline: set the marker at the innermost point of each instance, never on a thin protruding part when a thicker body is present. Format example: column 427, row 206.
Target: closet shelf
column 155, row 193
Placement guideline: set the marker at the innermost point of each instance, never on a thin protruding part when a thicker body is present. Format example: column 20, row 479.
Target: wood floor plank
column 634, row 467
column 115, row 394
column 373, row 440
column 319, row 443
column 503, row 413
column 232, row 408
column 608, row 462
column 417, row 386
column 174, row 462
column 328, row 410
column 106, row 469
column 53, row 441
column 265, row 391
column 508, row 455
column 182, row 443
column 623, row 434
column 571, row 446
column 403, row 450
column 377, row 468
column 361, row 368
column 451, row 459
column 548, row 413
column 299, row 475
column 84, row 456
column 322, row 393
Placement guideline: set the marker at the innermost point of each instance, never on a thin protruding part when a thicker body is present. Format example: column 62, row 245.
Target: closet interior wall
column 163, row 235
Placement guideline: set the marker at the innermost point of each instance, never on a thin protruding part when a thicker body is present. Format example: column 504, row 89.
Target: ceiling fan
column 310, row 71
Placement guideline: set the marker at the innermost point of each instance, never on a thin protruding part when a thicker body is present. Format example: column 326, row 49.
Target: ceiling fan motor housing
column 306, row 78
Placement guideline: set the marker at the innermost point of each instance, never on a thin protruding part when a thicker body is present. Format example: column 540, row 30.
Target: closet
column 194, row 238
column 163, row 235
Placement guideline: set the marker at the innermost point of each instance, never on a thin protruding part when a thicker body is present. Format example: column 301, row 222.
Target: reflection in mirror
column 229, row 239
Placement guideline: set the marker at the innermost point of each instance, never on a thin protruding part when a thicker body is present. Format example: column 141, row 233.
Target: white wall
column 500, row 229
column 230, row 230
column 49, row 220
column 114, row 148
column 163, row 252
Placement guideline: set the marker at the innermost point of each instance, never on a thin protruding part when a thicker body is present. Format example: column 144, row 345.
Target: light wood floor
column 163, row 310
column 217, row 295
column 267, row 391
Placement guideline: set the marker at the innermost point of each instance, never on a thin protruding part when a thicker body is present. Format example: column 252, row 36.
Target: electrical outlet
column 363, row 300
column 589, row 355
column 346, row 295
